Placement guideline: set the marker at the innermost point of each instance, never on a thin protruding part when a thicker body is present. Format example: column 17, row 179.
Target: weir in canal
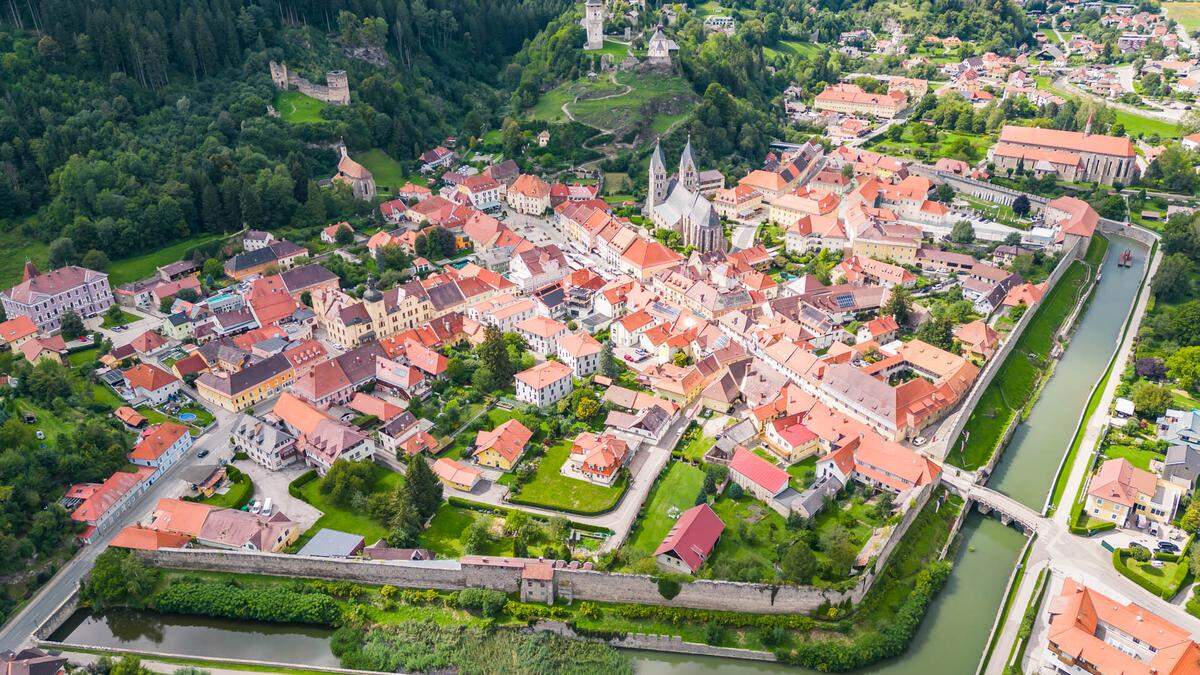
column 951, row 638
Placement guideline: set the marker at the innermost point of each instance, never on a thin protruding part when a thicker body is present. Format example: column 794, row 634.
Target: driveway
column 274, row 484
column 145, row 322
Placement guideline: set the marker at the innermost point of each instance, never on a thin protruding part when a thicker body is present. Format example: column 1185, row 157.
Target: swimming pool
column 187, row 417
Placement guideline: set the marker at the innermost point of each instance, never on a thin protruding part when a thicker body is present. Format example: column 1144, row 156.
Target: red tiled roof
column 759, row 471
column 693, row 537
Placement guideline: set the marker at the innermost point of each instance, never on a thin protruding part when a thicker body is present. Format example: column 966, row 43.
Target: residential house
column 239, row 389
column 597, row 458
column 160, row 446
column 691, row 541
column 266, row 444
column 545, row 383
column 151, row 383
column 456, row 475
column 1126, row 495
column 502, row 447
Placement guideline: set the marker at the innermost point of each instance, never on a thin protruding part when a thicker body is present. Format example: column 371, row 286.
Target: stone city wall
column 573, row 584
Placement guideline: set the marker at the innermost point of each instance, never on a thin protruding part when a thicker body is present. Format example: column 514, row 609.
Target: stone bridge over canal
column 988, row 501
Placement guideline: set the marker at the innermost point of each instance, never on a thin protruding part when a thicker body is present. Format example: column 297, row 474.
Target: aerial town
column 637, row 337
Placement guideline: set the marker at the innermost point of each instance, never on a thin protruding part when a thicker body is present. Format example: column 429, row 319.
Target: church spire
column 689, row 175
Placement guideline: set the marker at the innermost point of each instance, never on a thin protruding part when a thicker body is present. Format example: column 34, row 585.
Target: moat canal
column 952, row 636
column 1028, row 466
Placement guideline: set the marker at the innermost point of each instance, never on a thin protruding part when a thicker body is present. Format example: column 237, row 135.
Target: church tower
column 689, row 175
column 593, row 23
column 657, row 193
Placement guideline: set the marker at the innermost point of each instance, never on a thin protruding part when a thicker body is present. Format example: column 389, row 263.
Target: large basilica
column 675, row 203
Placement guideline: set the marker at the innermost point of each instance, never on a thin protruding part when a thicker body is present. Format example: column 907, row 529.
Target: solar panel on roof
column 844, row 301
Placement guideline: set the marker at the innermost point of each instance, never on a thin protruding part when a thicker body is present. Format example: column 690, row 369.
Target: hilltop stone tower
column 593, row 23
column 279, row 74
column 339, row 87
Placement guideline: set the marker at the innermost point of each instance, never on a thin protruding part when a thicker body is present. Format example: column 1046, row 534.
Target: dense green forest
column 129, row 124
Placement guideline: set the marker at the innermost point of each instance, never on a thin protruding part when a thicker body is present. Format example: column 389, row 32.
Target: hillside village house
column 547, row 382
column 851, row 99
column 95, row 505
column 17, row 331
column 44, row 298
column 529, row 194
column 1090, row 633
column 267, row 445
column 151, row 383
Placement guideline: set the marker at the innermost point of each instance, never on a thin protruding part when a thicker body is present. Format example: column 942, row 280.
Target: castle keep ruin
column 336, row 89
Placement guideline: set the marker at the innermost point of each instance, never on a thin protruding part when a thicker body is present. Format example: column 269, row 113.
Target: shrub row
column 1166, row 591
column 300, row 481
column 621, row 484
column 678, row 616
column 276, row 605
column 889, row 640
column 501, row 511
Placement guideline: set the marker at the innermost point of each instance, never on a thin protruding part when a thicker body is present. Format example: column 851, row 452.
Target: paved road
column 20, row 627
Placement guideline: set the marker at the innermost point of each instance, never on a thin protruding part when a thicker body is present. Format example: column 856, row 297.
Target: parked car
column 1168, row 547
column 202, row 454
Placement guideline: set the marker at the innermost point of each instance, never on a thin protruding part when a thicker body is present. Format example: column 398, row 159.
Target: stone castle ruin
column 335, row 91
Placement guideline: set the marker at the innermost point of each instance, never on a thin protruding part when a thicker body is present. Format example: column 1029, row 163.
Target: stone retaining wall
column 59, row 616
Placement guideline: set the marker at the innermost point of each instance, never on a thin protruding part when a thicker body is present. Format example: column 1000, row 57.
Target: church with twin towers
column 675, row 202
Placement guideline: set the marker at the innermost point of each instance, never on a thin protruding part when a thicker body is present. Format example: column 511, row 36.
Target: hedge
column 501, row 511
column 1166, row 592
column 223, row 600
column 300, row 481
column 622, row 483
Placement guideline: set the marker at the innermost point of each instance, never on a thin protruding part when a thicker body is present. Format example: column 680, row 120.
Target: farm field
column 1185, row 13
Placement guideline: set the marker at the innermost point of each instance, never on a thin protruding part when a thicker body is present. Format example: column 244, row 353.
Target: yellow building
column 236, row 391
column 502, row 447
column 350, row 322
column 888, row 241
column 1119, row 492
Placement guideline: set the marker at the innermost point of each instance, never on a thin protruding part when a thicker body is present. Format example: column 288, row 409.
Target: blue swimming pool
column 187, row 417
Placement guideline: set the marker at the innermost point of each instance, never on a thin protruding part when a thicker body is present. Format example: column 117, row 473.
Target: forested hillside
column 128, row 124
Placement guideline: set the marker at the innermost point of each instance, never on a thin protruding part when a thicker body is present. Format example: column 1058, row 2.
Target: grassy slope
column 388, row 174
column 297, row 108
column 142, row 266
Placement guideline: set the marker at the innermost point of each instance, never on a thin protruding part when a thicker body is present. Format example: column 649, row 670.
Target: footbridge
column 988, row 501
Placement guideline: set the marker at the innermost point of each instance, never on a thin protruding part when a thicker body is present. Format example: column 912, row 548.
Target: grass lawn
column 803, row 472
column 1139, row 457
column 748, row 543
column 552, row 490
column 19, row 248
column 388, row 174
column 1000, row 213
column 119, row 318
column 614, row 49
column 1018, row 376
column 694, row 443
column 677, row 489
column 142, row 266
column 1165, row 580
column 1140, row 124
column 671, row 95
column 445, row 531
column 238, row 495
column 297, row 108
column 83, row 356
column 102, row 394
column 47, row 422
column 345, row 519
column 1185, row 13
